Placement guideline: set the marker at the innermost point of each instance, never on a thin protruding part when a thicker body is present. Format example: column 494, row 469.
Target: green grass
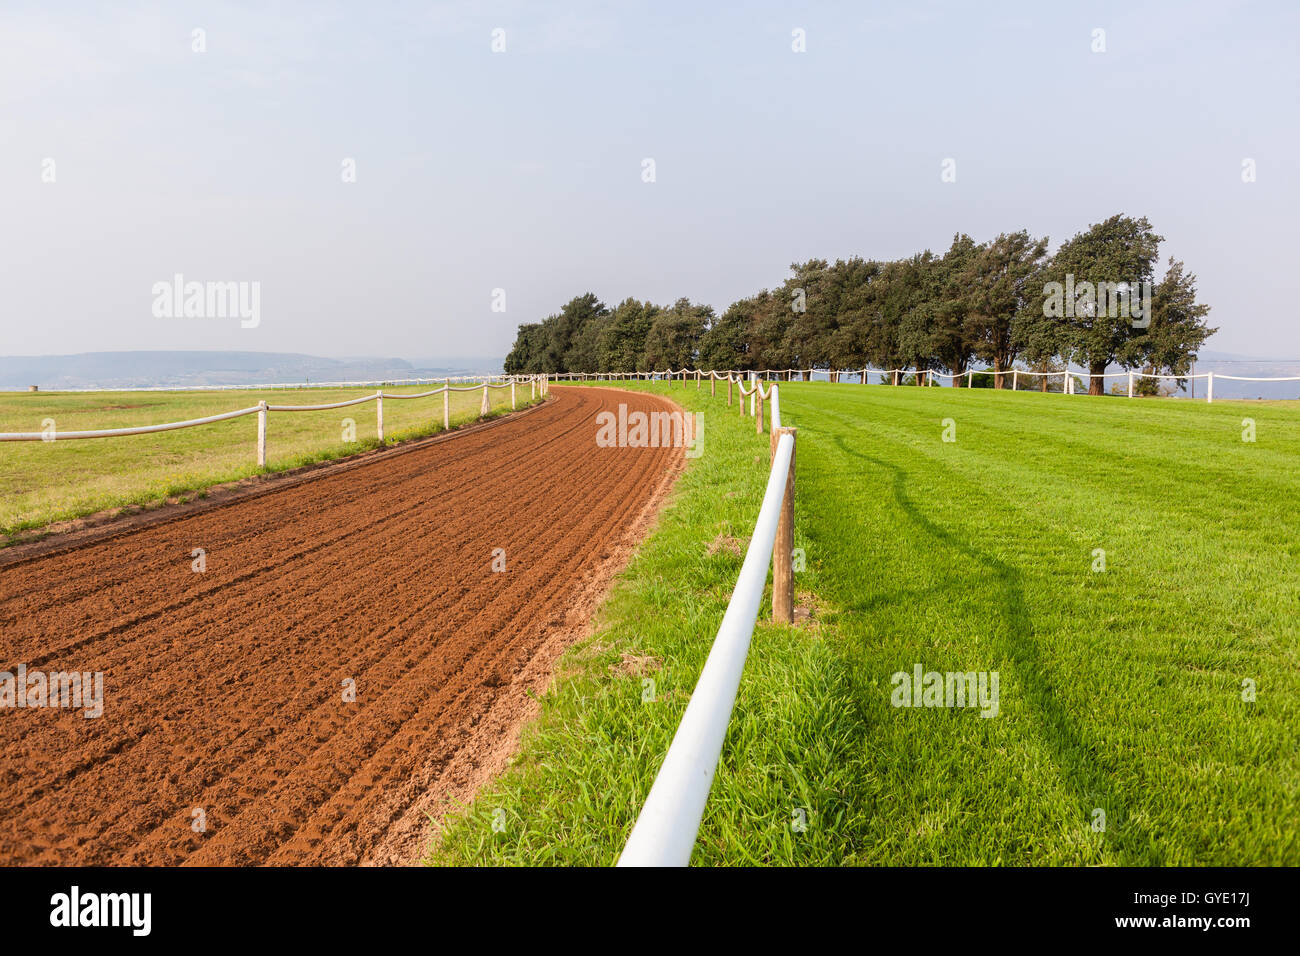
column 1119, row 690
column 43, row 482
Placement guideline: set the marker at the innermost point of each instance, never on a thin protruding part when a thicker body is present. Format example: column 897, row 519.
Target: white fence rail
column 539, row 385
column 1067, row 377
column 666, row 829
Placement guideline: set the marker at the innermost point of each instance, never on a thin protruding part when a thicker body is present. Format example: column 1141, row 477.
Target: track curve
column 223, row 690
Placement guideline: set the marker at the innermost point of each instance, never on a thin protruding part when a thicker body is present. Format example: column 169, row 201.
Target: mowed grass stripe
column 1120, row 691
column 1090, row 647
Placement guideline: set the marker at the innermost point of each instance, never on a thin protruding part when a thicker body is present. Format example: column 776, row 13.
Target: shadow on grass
column 1054, row 722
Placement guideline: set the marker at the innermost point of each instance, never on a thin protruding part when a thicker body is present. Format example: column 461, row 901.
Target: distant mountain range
column 189, row 369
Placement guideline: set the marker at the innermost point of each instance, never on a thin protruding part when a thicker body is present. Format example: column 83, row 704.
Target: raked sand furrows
column 224, row 690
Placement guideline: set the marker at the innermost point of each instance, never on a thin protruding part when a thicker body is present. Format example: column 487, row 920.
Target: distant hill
column 188, row 369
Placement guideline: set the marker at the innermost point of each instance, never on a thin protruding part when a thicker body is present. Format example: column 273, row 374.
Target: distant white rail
column 539, row 384
column 1067, row 376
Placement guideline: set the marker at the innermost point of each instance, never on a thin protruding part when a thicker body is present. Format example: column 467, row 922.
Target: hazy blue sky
column 522, row 170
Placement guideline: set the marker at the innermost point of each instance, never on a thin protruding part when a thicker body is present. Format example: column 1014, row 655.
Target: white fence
column 1067, row 377
column 666, row 829
column 539, row 385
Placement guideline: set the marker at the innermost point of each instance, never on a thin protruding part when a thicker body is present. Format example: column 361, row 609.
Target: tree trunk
column 1096, row 384
column 1042, row 383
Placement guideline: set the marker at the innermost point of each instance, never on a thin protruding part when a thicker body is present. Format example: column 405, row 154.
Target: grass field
column 42, row 482
column 1121, row 690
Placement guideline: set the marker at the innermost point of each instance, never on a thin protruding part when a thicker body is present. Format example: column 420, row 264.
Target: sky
column 128, row 156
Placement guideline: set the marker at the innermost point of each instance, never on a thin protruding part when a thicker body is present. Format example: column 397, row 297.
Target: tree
column 1169, row 345
column 622, row 342
column 726, row 343
column 1084, row 291
column 950, row 341
column 1093, row 302
column 564, row 328
column 526, row 356
column 1000, row 278
column 673, row 340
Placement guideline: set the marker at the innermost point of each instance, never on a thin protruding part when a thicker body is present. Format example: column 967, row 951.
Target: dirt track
column 223, row 690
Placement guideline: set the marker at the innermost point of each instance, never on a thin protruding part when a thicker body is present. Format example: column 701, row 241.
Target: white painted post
column 261, row 434
column 446, row 410
column 970, row 378
column 1209, row 392
column 379, row 412
column 512, row 394
column 1015, row 380
column 753, row 383
column 1130, row 383
column 485, row 407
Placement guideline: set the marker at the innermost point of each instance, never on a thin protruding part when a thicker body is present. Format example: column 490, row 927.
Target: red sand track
column 223, row 690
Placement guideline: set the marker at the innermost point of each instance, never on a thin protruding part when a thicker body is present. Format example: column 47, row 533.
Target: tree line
column 1095, row 302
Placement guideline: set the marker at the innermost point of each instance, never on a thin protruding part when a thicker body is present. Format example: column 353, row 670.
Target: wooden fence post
column 1130, row 383
column 512, row 394
column 446, row 409
column 261, row 434
column 713, row 386
column 486, row 406
column 728, row 390
column 758, row 414
column 1015, row 380
column 783, row 547
column 379, row 413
